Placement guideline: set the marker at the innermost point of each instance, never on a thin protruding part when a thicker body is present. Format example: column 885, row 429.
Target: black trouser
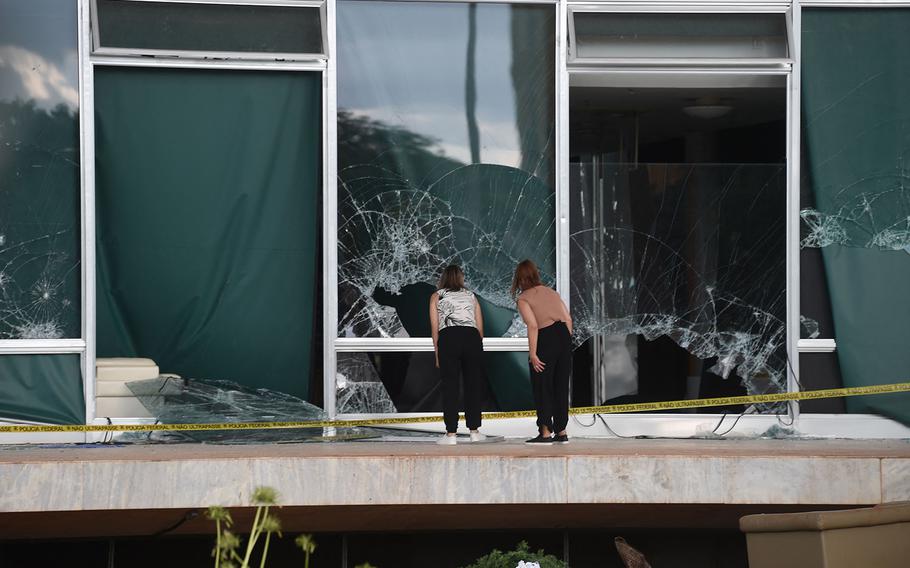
column 461, row 353
column 551, row 387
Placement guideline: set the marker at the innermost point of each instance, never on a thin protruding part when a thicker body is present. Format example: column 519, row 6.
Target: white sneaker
column 447, row 440
column 478, row 436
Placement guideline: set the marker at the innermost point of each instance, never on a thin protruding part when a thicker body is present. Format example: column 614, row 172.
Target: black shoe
column 561, row 439
column 540, row 440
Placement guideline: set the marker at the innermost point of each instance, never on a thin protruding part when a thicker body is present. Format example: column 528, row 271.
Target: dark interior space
column 702, row 132
column 580, row 548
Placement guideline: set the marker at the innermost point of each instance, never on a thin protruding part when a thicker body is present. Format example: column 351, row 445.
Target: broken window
column 39, row 172
column 445, row 155
column 678, row 258
column 40, row 272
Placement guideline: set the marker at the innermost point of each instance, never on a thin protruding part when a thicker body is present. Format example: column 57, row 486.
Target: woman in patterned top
column 458, row 341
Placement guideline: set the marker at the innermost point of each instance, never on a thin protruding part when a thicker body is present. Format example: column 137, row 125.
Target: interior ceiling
column 661, row 113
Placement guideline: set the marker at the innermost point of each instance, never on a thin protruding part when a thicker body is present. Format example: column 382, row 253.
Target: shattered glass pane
column 690, row 252
column 808, row 328
column 387, row 382
column 678, row 239
column 39, row 171
column 173, row 400
column 360, row 389
column 445, row 156
column 874, row 213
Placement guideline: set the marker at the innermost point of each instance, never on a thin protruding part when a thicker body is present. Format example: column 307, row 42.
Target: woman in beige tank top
column 549, row 354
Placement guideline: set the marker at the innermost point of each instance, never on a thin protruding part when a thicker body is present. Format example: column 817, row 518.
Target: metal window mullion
column 852, row 4
column 97, row 48
column 820, row 345
column 330, row 218
column 236, row 64
column 41, row 346
column 792, row 212
column 207, row 55
column 677, row 8
column 683, row 70
column 756, row 64
column 398, row 344
column 324, row 25
column 283, row 3
column 87, row 170
column 551, row 2
column 563, row 230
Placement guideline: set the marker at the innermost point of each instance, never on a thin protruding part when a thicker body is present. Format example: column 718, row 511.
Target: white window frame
column 98, row 49
column 332, row 343
column 88, row 62
column 79, row 345
column 787, row 67
column 615, row 7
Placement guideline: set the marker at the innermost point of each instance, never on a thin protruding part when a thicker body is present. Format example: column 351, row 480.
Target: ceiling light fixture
column 707, row 108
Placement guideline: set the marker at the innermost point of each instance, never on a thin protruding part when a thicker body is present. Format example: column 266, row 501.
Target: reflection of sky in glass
column 38, row 53
column 422, row 84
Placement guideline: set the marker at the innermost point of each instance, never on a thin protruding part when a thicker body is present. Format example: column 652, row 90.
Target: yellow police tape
column 610, row 409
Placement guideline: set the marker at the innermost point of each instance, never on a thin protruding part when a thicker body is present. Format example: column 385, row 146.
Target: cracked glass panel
column 678, row 258
column 173, row 400
column 855, row 209
column 387, row 382
column 39, row 171
column 445, row 155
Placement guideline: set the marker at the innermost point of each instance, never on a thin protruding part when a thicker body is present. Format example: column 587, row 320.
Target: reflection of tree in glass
column 362, row 140
column 39, row 220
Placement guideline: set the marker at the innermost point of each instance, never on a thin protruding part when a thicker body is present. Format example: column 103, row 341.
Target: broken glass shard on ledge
column 174, row 400
column 360, row 390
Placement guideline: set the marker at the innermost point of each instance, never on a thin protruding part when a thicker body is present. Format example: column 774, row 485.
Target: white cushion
column 126, row 369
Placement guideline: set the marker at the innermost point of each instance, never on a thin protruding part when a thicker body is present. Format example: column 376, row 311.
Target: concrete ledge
column 673, row 472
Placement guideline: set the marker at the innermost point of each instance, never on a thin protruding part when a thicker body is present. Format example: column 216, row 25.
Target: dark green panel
column 208, row 202
column 856, row 76
column 210, row 27
column 42, row 388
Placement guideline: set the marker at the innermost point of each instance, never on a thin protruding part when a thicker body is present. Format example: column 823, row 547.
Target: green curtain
column 856, row 111
column 42, row 388
column 208, row 207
